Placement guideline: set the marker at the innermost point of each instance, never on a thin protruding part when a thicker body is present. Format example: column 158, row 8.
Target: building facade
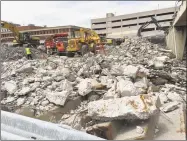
column 41, row 32
column 129, row 24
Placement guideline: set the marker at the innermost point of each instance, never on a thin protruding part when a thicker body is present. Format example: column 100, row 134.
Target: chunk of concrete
column 141, row 85
column 24, row 91
column 67, row 86
column 169, row 107
column 105, row 80
column 106, row 130
column 10, row 99
column 134, row 107
column 173, row 96
column 116, row 70
column 20, row 101
column 130, row 71
column 93, row 97
column 159, row 81
column 84, row 87
column 26, row 69
column 58, row 98
column 65, row 72
column 163, row 98
column 34, row 86
column 10, row 86
column 126, row 88
column 139, row 130
column 142, row 72
column 96, row 85
column 111, row 93
column 162, row 58
column 45, row 102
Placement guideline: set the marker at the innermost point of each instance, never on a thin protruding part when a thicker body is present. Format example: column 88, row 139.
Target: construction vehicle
column 86, row 42
column 56, row 43
column 153, row 20
column 20, row 38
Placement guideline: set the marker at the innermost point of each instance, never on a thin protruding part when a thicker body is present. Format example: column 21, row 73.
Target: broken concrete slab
column 58, row 98
column 172, row 125
column 134, row 107
column 10, row 86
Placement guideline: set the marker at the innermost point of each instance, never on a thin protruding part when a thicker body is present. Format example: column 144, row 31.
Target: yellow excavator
column 20, row 38
column 87, row 41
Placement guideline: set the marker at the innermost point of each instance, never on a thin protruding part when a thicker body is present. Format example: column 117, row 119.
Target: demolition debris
column 121, row 86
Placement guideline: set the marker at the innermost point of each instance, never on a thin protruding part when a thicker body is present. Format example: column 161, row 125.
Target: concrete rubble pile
column 15, row 53
column 122, row 85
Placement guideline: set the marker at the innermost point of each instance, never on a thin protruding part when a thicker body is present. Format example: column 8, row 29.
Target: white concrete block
column 126, row 88
column 130, row 71
column 10, row 86
column 59, row 98
column 134, row 107
column 84, row 87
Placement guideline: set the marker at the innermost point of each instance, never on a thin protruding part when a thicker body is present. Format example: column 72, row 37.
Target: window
column 148, row 29
column 129, row 25
column 99, row 28
column 98, row 23
column 116, row 21
column 116, row 27
column 130, row 19
column 165, row 13
column 147, row 16
column 166, row 20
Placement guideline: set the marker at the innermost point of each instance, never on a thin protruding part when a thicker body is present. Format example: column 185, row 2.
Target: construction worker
column 28, row 52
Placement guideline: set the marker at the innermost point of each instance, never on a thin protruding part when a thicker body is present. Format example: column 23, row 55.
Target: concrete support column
column 180, row 41
column 176, row 40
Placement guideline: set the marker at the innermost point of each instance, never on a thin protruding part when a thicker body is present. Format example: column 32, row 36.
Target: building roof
column 137, row 13
column 46, row 28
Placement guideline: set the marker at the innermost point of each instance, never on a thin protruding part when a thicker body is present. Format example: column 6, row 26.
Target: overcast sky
column 79, row 13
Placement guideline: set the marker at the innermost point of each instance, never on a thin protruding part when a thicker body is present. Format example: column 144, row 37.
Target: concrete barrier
column 18, row 127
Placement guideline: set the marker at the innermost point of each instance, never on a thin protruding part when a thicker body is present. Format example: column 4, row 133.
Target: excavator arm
column 12, row 28
column 153, row 20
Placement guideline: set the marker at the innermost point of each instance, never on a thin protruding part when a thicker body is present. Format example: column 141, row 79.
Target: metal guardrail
column 18, row 127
